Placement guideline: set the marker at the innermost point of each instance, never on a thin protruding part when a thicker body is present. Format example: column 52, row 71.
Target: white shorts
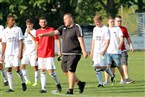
column 11, row 61
column 46, row 63
column 99, row 60
column 29, row 59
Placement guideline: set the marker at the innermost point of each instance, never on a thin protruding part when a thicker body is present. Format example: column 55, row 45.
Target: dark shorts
column 69, row 62
column 124, row 58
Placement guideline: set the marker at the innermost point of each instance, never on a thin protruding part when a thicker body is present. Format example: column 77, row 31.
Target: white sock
column 108, row 70
column 4, row 74
column 99, row 76
column 19, row 72
column 25, row 74
column 36, row 76
column 10, row 80
column 55, row 77
column 43, row 81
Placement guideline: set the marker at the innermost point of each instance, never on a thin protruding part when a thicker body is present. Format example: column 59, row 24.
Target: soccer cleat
column 113, row 80
column 128, row 81
column 69, row 93
column 28, row 82
column 81, row 86
column 122, row 82
column 35, row 84
column 100, row 85
column 42, row 91
column 59, row 88
column 24, row 87
column 6, row 83
column 10, row 90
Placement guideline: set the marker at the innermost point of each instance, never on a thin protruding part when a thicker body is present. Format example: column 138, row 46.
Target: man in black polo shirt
column 72, row 46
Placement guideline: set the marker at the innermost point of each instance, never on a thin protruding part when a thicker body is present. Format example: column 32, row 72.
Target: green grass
column 86, row 73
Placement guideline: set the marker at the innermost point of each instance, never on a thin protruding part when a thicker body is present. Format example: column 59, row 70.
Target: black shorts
column 69, row 62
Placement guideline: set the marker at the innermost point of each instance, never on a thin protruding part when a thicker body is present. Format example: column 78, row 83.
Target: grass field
column 86, row 73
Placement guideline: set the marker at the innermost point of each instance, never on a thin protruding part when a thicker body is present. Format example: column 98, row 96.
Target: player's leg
column 34, row 64
column 124, row 61
column 24, row 62
column 8, row 65
column 51, row 70
column 4, row 74
column 98, row 68
column 42, row 69
column 16, row 65
column 117, row 60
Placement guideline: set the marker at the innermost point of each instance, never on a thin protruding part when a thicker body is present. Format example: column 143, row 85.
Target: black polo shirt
column 70, row 42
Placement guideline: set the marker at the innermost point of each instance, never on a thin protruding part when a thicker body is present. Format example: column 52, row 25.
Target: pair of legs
column 12, row 61
column 115, row 60
column 10, row 80
column 69, row 65
column 47, row 64
column 25, row 74
column 4, row 74
column 124, row 69
column 30, row 59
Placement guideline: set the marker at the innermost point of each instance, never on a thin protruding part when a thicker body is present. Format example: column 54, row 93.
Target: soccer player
column 124, row 58
column 72, row 46
column 29, row 53
column 114, row 49
column 1, row 63
column 100, row 43
column 45, row 52
column 12, row 50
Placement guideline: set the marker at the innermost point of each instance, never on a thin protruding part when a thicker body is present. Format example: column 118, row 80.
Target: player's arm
column 36, row 49
column 121, row 41
column 20, row 49
column 130, row 44
column 32, row 36
column 82, row 44
column 92, row 48
column 106, row 46
column 52, row 33
column 3, row 50
column 59, row 46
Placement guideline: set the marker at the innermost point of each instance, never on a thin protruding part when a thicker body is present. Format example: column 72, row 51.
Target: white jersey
column 115, row 34
column 11, row 37
column 1, row 35
column 100, row 35
column 30, row 47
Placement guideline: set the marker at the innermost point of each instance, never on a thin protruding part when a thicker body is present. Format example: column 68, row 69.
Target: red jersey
column 46, row 44
column 125, row 35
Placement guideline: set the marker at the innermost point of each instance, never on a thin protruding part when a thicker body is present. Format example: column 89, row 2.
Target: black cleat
column 24, row 87
column 10, row 90
column 100, row 85
column 6, row 83
column 59, row 88
column 113, row 80
column 69, row 93
column 42, row 91
column 81, row 86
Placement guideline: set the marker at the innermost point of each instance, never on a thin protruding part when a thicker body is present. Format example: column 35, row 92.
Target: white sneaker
column 122, row 82
column 105, row 83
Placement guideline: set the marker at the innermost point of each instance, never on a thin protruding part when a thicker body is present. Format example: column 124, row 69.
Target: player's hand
column 131, row 49
column 91, row 55
column 40, row 35
column 36, row 58
column 103, row 53
column 1, row 59
column 85, row 54
column 28, row 30
column 19, row 57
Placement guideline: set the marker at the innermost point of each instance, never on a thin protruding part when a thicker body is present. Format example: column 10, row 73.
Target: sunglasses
column 119, row 21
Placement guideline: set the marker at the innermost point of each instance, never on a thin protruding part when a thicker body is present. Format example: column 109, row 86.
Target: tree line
column 82, row 10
